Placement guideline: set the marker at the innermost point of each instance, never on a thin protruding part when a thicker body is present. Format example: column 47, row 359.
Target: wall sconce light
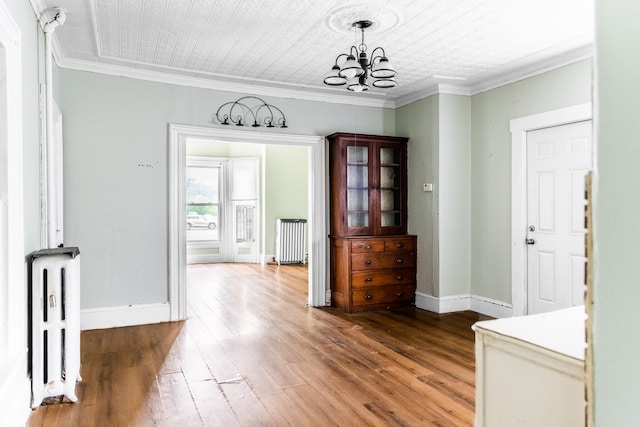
column 251, row 109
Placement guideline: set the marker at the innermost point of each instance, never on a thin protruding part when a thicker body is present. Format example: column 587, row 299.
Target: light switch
column 427, row 187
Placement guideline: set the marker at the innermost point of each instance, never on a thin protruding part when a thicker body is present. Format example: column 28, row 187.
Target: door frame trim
column 178, row 135
column 519, row 128
column 15, row 387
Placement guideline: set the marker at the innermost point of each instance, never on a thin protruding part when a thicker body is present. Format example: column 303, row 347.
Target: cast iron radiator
column 291, row 241
column 55, row 323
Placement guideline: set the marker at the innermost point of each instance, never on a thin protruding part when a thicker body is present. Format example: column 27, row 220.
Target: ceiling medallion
column 383, row 17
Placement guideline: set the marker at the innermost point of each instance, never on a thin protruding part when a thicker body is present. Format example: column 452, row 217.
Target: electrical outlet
column 427, row 187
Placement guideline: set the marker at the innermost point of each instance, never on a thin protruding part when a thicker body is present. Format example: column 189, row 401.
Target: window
column 203, row 202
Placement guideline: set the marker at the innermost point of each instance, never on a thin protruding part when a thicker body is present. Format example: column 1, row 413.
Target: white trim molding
column 15, row 389
column 454, row 303
column 519, row 128
column 130, row 315
column 255, row 87
column 178, row 136
column 171, row 75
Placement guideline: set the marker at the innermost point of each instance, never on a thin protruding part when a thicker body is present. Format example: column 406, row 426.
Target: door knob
column 530, row 242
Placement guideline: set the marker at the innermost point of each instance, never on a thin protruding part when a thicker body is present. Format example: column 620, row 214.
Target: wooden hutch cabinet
column 373, row 260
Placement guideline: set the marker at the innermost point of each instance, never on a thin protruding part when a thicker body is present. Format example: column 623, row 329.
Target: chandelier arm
column 374, row 56
column 340, row 56
column 355, row 76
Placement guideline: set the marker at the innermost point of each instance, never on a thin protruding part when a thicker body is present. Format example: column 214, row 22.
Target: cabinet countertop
column 561, row 331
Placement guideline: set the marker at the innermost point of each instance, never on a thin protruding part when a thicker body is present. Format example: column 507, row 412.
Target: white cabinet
column 530, row 370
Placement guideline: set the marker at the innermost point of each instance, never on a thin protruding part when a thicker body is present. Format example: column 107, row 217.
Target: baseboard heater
column 291, row 241
column 54, row 332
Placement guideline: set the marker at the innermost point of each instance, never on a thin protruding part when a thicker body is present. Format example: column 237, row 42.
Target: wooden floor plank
column 252, row 353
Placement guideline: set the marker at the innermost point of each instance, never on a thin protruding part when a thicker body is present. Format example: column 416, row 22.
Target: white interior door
column 558, row 159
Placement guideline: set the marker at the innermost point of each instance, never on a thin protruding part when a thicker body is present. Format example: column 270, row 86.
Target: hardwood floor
column 253, row 354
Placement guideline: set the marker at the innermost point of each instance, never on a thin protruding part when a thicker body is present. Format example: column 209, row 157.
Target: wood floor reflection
column 253, row 354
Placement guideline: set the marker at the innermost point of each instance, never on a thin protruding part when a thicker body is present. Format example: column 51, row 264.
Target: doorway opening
column 519, row 190
column 179, row 135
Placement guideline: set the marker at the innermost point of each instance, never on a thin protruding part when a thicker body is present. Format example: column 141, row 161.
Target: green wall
column 286, row 192
column 116, row 180
column 491, row 113
column 454, row 198
column 616, row 272
column 419, row 122
column 462, row 144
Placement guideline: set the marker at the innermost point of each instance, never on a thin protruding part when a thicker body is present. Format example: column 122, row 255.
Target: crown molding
column 492, row 81
column 531, row 70
column 219, row 85
column 416, row 96
column 435, row 89
column 38, row 7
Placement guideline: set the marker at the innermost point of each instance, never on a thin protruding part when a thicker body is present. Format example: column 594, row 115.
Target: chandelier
column 354, row 73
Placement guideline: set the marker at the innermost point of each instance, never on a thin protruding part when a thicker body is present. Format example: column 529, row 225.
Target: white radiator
column 291, row 241
column 55, row 323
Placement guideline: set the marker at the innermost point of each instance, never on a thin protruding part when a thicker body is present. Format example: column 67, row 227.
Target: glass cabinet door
column 357, row 186
column 390, row 187
column 368, row 178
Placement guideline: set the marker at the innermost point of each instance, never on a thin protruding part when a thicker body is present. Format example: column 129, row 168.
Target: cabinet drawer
column 382, row 278
column 383, row 260
column 370, row 245
column 383, row 295
column 399, row 244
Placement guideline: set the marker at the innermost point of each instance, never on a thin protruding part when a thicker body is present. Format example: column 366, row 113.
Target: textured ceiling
column 290, row 45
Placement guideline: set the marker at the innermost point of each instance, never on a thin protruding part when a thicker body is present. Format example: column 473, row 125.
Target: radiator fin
column 291, row 241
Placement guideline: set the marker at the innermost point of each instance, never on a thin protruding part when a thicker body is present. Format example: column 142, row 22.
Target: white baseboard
column 442, row 304
column 130, row 315
column 453, row 303
column 490, row 307
column 15, row 393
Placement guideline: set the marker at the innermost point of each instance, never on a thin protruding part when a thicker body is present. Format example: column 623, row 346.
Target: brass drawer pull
column 368, row 297
column 399, row 261
column 400, row 294
column 368, row 279
column 367, row 261
column 367, row 246
column 399, row 245
column 399, row 277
